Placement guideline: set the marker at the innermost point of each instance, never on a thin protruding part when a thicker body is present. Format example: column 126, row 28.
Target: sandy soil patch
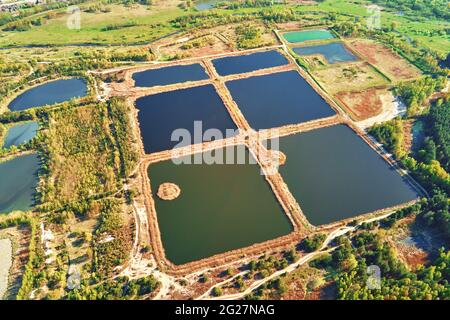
column 19, row 237
column 385, row 59
column 5, row 264
column 391, row 107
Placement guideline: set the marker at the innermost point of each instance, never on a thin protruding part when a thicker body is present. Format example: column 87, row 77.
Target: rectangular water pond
column 335, row 175
column 333, row 52
column 20, row 133
column 161, row 114
column 308, row 35
column 50, row 93
column 221, row 207
column 248, row 63
column 170, row 75
column 278, row 99
column 18, row 181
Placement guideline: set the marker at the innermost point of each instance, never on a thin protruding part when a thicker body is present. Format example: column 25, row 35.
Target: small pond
column 50, row 93
column 20, row 133
column 18, row 181
column 206, row 4
column 333, row 52
column 170, row 75
column 247, row 63
column 418, row 134
column 308, row 35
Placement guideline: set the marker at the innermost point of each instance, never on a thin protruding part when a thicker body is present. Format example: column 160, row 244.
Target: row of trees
column 390, row 134
column 119, row 288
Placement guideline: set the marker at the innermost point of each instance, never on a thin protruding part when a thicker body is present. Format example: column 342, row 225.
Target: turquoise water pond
column 20, row 133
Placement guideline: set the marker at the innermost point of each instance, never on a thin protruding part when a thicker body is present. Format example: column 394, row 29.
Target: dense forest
column 348, row 264
column 439, row 121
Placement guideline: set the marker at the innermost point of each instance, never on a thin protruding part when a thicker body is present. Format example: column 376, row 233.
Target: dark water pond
column 418, row 134
column 308, row 35
column 334, row 175
column 169, row 75
column 20, row 133
column 159, row 115
column 247, row 63
column 278, row 99
column 220, row 208
column 333, row 52
column 50, row 93
column 18, row 180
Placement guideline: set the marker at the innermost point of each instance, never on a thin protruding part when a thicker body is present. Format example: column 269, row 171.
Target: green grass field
column 150, row 23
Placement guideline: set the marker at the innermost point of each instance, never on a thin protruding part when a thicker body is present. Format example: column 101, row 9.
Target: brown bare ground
column 201, row 43
column 197, row 46
column 385, row 59
column 362, row 104
column 412, row 256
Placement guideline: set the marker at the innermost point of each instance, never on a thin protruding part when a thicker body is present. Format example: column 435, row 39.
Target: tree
column 217, row 291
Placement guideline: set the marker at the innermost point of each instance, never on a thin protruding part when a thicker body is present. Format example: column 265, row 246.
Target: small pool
column 162, row 117
column 18, row 181
column 418, row 134
column 20, row 134
column 5, row 264
column 278, row 99
column 333, row 52
column 308, row 35
column 206, row 4
column 248, row 63
column 50, row 93
column 170, row 75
